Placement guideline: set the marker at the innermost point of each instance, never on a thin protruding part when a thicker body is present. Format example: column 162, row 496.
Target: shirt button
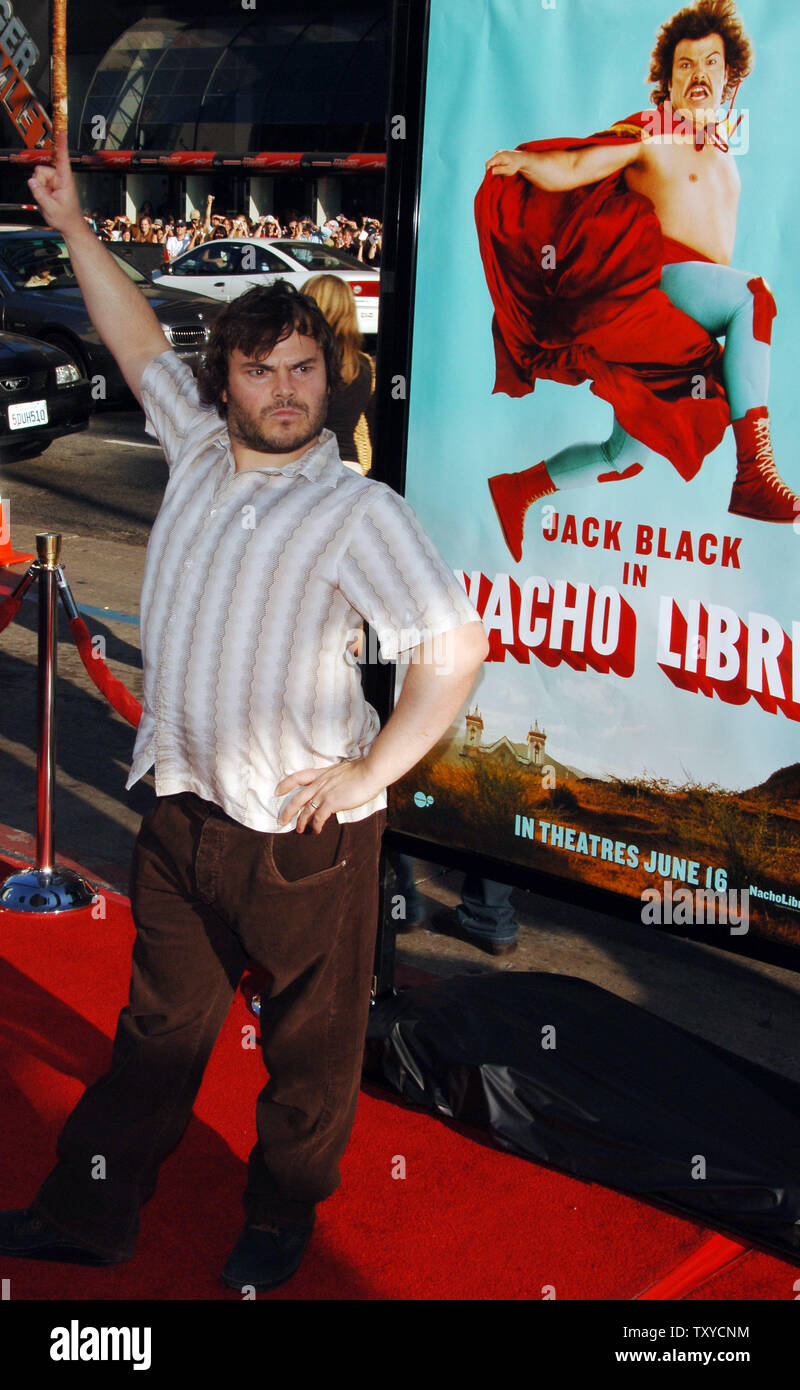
column 213, row 512
column 187, row 564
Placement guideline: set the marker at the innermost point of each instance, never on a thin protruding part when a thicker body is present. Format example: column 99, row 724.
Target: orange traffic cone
column 8, row 555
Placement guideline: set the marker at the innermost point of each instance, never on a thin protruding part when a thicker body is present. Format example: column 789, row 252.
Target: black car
column 43, row 395
column 29, row 214
column 39, row 295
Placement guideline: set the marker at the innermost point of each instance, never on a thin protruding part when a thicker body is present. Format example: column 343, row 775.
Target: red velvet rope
column 715, row 1254
column 9, row 609
column 108, row 685
column 11, row 605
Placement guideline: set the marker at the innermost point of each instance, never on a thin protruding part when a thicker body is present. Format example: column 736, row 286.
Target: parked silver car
column 225, row 268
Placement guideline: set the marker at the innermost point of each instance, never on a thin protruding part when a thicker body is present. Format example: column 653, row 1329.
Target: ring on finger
column 315, row 804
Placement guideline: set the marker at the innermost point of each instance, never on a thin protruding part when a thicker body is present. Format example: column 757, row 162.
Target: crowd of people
column 361, row 239
column 351, row 406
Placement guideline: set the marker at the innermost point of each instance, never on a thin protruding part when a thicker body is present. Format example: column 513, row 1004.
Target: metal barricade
column 46, row 887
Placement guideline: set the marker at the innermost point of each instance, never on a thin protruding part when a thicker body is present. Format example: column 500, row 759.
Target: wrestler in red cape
column 608, row 260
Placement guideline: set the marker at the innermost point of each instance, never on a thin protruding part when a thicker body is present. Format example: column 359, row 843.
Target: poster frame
column 407, row 99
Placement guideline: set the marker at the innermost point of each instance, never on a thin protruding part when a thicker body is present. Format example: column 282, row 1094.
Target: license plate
column 24, row 417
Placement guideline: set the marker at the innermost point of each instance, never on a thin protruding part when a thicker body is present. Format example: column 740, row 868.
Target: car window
column 187, row 265
column 36, row 263
column 215, row 258
column 258, row 260
column 130, row 270
column 319, row 258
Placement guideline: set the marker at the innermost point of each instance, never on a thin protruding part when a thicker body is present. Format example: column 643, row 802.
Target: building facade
column 267, row 105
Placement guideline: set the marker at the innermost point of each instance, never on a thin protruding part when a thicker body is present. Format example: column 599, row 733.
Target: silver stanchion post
column 46, row 888
column 48, row 551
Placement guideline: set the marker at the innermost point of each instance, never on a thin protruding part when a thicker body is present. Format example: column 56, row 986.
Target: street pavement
column 101, row 490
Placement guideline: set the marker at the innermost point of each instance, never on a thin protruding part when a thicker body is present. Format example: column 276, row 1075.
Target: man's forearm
column 560, row 170
column 556, row 171
column 121, row 315
column 433, row 692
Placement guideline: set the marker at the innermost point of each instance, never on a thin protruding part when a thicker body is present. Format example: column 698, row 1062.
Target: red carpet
column 466, row 1222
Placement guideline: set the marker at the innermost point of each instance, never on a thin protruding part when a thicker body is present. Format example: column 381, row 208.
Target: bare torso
column 695, row 193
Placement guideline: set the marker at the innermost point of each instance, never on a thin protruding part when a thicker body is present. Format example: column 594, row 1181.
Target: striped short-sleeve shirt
column 255, row 587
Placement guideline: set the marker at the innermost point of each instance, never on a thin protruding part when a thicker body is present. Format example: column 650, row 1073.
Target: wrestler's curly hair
column 697, row 22
column 254, row 323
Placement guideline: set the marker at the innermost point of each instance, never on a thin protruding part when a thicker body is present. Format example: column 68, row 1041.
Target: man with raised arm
column 608, row 259
column 265, row 559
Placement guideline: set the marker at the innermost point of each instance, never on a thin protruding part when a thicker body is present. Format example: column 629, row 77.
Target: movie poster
column 602, row 442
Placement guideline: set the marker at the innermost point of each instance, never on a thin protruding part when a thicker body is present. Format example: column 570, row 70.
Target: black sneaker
column 30, row 1237
column 265, row 1256
column 447, row 923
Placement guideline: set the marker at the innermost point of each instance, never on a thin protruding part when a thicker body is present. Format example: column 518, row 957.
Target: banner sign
column 25, row 72
column 601, row 441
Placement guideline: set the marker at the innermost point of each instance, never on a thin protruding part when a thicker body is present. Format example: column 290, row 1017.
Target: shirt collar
column 320, row 464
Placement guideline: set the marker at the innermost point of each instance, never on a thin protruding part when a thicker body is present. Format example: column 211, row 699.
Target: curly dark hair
column 697, row 22
column 254, row 323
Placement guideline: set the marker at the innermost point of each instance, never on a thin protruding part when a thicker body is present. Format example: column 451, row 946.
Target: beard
column 267, row 436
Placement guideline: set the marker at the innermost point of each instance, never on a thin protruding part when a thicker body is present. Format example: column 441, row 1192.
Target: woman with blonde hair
column 350, row 410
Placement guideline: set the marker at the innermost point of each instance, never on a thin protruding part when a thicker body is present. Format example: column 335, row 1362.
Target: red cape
column 598, row 314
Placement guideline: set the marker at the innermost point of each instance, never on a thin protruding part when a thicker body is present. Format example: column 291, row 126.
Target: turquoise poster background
column 500, row 73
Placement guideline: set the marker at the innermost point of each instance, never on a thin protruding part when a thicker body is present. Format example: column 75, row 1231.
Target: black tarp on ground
column 622, row 1098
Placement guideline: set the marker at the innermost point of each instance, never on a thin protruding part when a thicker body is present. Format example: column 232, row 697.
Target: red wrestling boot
column 758, row 490
column 512, row 494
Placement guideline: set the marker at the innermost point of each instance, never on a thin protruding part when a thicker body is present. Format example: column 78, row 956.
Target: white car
column 226, row 268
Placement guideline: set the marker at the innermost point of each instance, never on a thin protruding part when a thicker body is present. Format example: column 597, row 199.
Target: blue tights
column 717, row 298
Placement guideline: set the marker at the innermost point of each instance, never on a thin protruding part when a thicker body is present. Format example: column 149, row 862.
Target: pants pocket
column 302, row 859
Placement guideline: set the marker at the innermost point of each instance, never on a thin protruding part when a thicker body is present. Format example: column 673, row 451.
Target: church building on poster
column 529, row 754
column 504, row 753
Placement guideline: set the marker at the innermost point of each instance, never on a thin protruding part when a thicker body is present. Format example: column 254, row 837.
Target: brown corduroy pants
column 208, row 895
